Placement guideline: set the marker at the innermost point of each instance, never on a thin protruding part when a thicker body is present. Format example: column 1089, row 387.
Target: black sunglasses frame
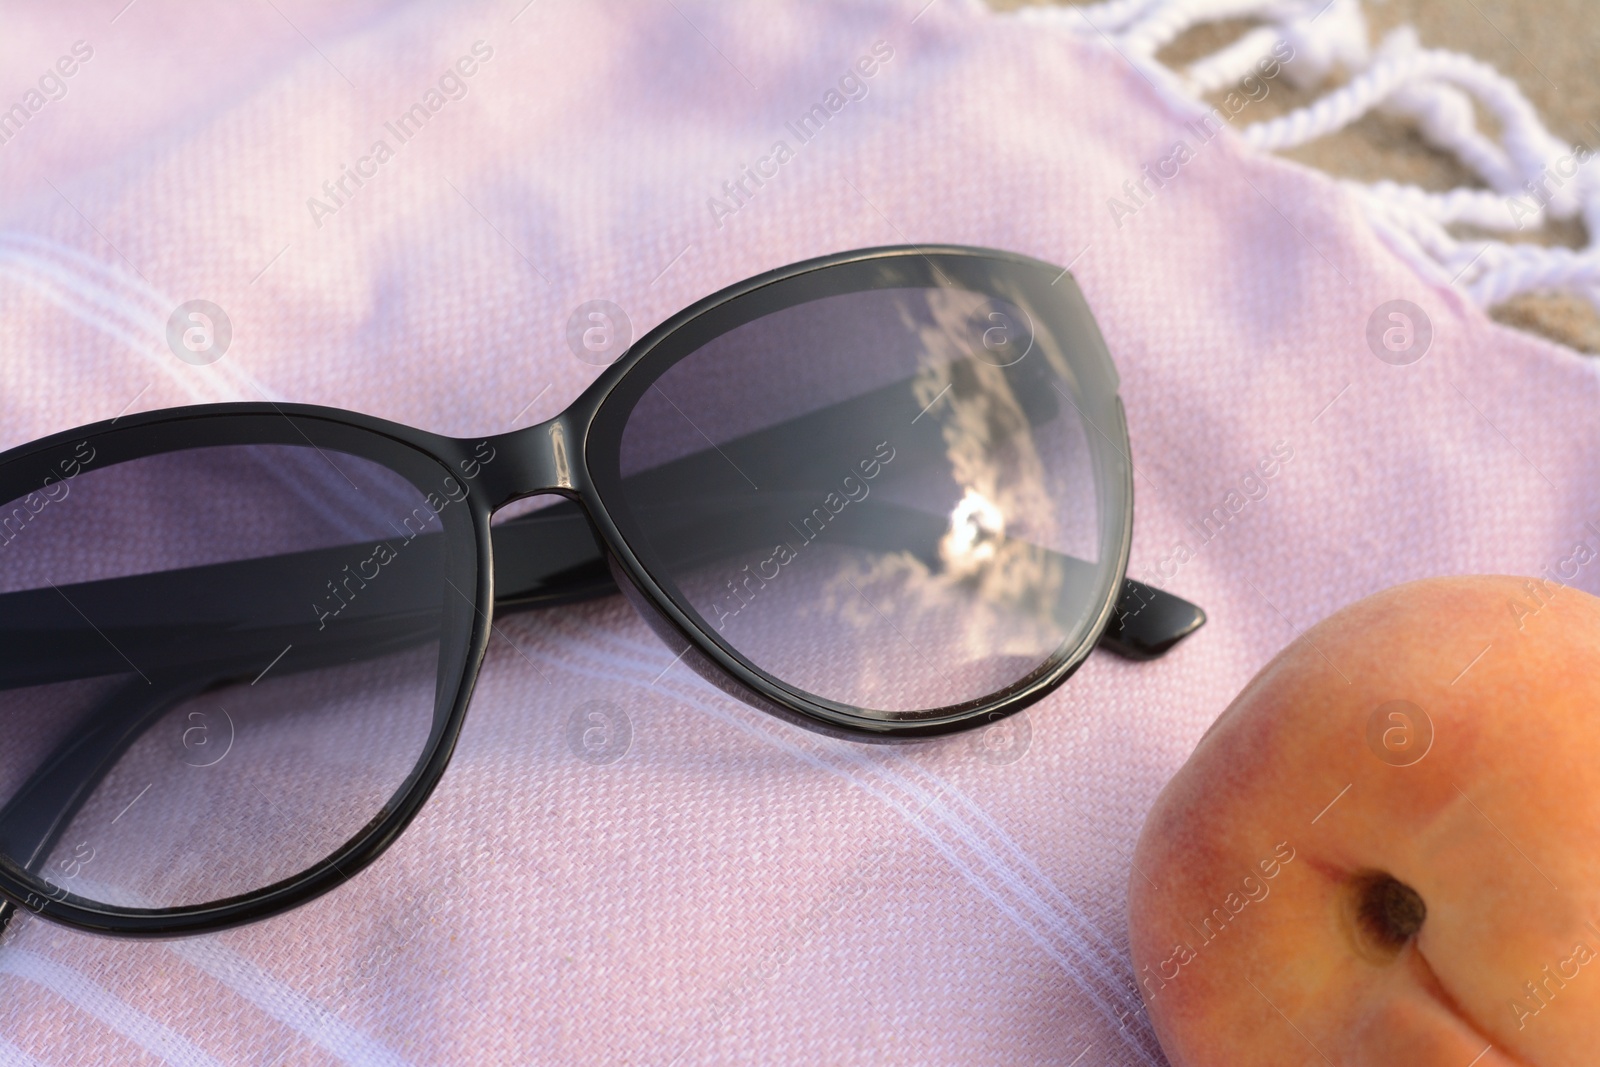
column 556, row 457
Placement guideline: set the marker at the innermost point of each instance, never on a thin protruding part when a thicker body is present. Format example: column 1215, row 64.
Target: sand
column 1551, row 48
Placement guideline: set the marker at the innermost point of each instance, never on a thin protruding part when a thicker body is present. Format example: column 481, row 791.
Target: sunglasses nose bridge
column 544, row 458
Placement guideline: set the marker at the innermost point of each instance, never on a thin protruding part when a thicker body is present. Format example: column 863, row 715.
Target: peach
column 1387, row 849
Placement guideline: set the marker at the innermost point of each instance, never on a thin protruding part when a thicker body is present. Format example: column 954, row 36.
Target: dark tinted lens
column 216, row 666
column 887, row 499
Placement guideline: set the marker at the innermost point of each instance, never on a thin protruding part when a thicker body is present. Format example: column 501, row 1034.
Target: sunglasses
column 885, row 494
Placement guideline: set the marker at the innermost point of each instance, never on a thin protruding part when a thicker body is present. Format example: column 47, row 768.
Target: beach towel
column 398, row 208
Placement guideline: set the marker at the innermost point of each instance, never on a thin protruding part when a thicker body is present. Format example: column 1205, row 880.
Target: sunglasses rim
column 553, row 456
column 751, row 683
column 238, row 424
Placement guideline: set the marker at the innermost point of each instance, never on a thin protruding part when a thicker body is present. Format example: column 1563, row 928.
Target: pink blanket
column 718, row 887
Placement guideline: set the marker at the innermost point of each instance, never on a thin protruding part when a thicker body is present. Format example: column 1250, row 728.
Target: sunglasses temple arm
column 1146, row 622
column 38, row 813
column 549, row 558
column 548, row 563
column 546, row 559
column 552, row 557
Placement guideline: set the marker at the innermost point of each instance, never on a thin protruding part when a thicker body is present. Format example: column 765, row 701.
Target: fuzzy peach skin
column 1318, row 887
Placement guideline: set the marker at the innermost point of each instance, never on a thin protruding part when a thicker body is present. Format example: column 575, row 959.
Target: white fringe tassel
column 1532, row 178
